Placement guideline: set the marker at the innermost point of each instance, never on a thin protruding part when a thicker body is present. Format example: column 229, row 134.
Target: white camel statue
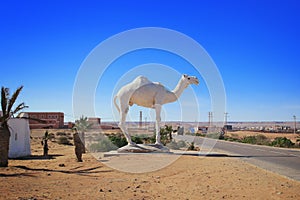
column 148, row 94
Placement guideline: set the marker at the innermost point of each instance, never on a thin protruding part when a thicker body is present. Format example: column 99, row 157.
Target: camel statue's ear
column 184, row 75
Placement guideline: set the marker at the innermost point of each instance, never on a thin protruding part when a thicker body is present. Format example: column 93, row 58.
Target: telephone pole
column 141, row 119
column 225, row 117
column 295, row 124
column 210, row 117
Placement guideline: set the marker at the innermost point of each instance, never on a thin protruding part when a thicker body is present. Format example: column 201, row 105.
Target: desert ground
column 189, row 177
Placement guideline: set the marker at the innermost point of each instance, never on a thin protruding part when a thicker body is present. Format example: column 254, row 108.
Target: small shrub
column 137, row 139
column 213, row 135
column 181, row 144
column 232, row 139
column 262, row 140
column 118, row 140
column 103, row 145
column 51, row 136
column 282, row 142
column 191, row 147
column 221, row 137
column 64, row 140
column 200, row 134
column 176, row 145
column 257, row 139
column 249, row 139
column 61, row 134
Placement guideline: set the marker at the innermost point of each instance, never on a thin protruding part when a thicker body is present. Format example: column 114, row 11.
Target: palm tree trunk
column 4, row 146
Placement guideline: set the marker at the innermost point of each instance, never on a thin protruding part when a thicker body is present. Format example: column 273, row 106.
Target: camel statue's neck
column 180, row 87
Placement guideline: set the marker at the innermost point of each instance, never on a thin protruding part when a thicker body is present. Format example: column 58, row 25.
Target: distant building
column 39, row 120
column 69, row 125
column 202, row 129
column 228, row 127
column 180, row 130
column 95, row 121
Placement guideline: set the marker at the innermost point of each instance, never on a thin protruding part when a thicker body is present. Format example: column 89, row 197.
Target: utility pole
column 210, row 117
column 141, row 119
column 295, row 124
column 225, row 117
column 225, row 122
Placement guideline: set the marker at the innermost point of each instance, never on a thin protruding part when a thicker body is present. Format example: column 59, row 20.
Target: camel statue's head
column 190, row 79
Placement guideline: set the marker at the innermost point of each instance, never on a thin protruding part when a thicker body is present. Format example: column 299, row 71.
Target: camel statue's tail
column 115, row 102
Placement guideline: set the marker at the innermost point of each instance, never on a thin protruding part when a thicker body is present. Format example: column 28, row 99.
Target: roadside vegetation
column 98, row 142
column 263, row 140
column 259, row 139
column 108, row 142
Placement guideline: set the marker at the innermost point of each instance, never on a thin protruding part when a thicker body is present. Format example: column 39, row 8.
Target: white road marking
column 278, row 152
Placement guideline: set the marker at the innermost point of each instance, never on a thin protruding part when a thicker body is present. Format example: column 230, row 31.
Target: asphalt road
column 283, row 161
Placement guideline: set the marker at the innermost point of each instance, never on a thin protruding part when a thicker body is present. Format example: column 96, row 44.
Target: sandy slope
column 186, row 178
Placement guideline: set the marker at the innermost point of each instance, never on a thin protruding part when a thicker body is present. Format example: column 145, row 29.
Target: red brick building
column 51, row 120
column 95, row 121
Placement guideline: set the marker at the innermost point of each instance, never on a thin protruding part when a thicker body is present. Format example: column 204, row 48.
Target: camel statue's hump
column 134, row 85
column 141, row 80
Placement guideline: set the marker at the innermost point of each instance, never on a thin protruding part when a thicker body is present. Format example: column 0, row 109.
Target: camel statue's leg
column 157, row 124
column 123, row 127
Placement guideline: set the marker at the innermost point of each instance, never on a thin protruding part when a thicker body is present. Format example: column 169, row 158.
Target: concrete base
column 143, row 148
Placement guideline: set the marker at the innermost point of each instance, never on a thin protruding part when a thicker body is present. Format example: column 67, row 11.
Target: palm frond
column 21, row 106
column 82, row 124
column 13, row 99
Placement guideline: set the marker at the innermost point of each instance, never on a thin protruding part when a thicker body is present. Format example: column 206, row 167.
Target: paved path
column 279, row 160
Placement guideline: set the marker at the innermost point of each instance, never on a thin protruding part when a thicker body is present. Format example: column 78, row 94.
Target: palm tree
column 82, row 125
column 7, row 103
column 166, row 134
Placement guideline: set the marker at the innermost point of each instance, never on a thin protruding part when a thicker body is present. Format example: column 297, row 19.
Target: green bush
column 262, row 140
column 191, row 147
column 249, row 139
column 137, row 139
column 213, row 135
column 51, row 136
column 64, row 140
column 282, row 142
column 181, row 144
column 117, row 139
column 200, row 134
column 257, row 139
column 165, row 134
column 176, row 145
column 61, row 134
column 232, row 139
column 102, row 145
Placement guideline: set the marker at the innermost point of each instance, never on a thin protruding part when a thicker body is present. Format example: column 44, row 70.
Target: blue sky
column 255, row 45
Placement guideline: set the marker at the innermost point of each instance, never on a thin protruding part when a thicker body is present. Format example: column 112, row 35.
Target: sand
column 188, row 177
